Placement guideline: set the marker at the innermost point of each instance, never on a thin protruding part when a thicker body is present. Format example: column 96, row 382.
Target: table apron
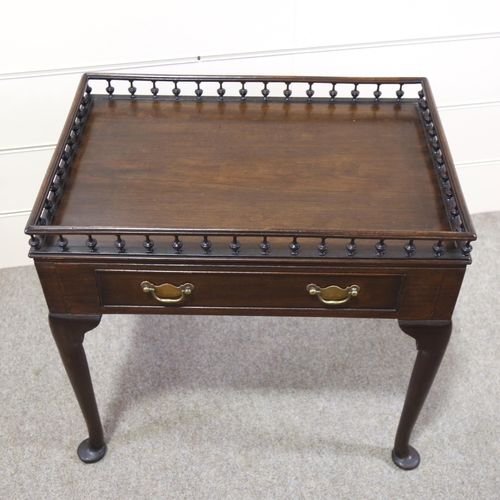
column 392, row 292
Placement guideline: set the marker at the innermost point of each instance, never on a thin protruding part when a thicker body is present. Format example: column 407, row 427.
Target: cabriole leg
column 432, row 338
column 69, row 331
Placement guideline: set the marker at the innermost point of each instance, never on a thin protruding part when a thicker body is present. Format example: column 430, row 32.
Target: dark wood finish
column 328, row 177
column 410, row 293
column 422, row 142
column 251, row 189
column 432, row 339
column 219, row 288
column 69, row 332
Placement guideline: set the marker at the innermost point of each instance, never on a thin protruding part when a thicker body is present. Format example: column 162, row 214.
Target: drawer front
column 229, row 289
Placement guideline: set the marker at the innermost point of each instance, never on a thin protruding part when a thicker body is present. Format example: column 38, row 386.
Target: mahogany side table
column 245, row 195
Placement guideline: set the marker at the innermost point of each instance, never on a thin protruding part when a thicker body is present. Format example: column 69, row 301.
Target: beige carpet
column 252, row 408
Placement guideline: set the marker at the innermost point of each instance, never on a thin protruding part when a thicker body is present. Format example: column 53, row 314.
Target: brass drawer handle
column 333, row 295
column 167, row 293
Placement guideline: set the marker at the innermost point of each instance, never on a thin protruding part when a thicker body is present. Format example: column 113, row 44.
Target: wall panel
column 15, row 251
column 26, row 169
column 480, row 183
column 34, row 109
column 472, row 133
column 57, row 34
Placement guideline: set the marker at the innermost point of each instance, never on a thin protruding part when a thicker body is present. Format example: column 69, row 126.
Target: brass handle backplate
column 167, row 293
column 333, row 295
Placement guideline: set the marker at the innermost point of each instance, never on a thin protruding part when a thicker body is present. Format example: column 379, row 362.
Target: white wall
column 47, row 45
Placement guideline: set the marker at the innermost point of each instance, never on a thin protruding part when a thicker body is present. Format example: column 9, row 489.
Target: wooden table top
column 340, row 167
column 253, row 166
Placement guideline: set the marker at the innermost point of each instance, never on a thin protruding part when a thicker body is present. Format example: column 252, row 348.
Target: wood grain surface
column 253, row 166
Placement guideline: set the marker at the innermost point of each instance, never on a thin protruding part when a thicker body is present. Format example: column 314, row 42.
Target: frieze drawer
column 219, row 289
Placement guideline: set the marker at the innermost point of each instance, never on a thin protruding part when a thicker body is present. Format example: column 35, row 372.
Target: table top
column 317, row 165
